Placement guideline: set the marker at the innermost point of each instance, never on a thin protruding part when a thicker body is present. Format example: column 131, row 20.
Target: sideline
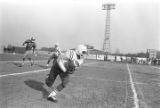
column 135, row 96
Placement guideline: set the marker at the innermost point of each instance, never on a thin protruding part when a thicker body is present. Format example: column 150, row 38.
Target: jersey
column 57, row 50
column 54, row 55
column 29, row 44
column 69, row 61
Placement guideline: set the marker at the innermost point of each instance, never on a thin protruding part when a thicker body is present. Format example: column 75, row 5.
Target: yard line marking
column 9, row 61
column 126, row 96
column 140, row 91
column 85, row 64
column 135, row 96
column 27, row 72
column 22, row 61
column 156, row 67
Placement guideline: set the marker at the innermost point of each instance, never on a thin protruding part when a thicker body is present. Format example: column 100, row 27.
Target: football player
column 29, row 50
column 55, row 54
column 65, row 65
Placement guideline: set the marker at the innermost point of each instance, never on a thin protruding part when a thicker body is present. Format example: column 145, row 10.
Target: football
column 70, row 66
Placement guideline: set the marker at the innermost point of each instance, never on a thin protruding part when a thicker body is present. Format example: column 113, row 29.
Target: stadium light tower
column 106, row 43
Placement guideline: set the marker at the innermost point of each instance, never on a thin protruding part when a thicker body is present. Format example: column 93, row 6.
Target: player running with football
column 65, row 65
column 30, row 50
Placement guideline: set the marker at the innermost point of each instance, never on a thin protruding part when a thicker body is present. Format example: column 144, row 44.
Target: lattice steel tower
column 106, row 43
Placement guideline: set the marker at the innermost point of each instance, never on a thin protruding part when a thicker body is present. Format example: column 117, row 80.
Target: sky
column 134, row 23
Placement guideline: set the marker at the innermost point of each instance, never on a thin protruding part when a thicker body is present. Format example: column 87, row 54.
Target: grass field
column 97, row 84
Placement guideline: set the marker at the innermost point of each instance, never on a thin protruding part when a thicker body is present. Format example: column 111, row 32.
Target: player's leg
column 29, row 57
column 51, row 76
column 35, row 52
column 24, row 57
column 65, row 80
column 50, row 81
column 52, row 95
column 30, row 60
column 23, row 60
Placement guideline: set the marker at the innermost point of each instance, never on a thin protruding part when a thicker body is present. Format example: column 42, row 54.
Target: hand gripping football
column 70, row 66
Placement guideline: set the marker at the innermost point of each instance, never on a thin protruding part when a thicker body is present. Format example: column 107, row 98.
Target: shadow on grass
column 17, row 64
column 36, row 85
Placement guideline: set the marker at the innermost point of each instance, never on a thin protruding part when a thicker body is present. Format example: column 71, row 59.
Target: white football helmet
column 32, row 39
column 81, row 49
column 56, row 44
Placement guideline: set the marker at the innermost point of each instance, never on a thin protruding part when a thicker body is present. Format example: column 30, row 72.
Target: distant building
column 152, row 53
column 95, row 54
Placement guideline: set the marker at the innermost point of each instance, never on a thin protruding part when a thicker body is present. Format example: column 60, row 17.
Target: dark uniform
column 30, row 50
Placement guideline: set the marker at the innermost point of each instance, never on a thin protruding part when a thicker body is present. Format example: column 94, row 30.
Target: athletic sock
column 53, row 93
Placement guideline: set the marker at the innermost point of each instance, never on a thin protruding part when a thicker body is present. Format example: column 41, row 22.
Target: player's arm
column 62, row 66
column 24, row 43
column 72, row 61
column 78, row 62
column 53, row 56
column 62, row 60
column 59, row 51
column 73, row 65
column 49, row 59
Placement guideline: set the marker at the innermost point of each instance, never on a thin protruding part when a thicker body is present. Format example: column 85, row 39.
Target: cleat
column 32, row 63
column 20, row 65
column 52, row 99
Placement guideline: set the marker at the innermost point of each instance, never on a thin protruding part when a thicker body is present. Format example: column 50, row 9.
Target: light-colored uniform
column 68, row 57
column 64, row 65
